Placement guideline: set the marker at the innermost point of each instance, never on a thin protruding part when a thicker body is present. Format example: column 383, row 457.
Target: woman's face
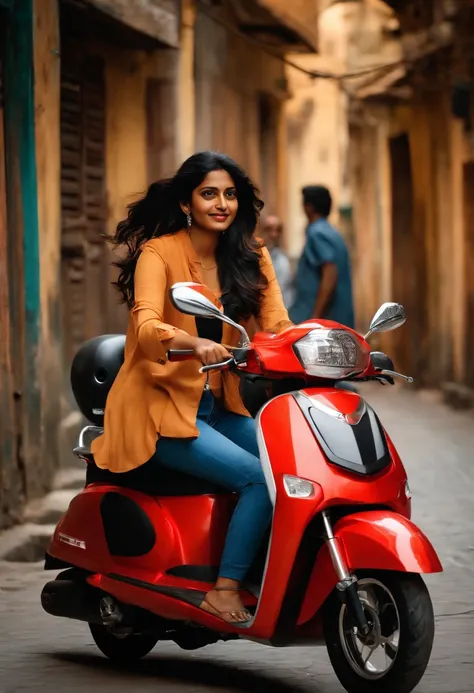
column 214, row 202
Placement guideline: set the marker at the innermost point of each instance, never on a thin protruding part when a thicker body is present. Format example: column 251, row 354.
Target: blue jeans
column 226, row 453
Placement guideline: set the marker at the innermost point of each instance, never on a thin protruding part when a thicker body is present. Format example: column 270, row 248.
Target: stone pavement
column 437, row 446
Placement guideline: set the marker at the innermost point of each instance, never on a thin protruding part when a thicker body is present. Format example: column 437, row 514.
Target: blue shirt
column 324, row 244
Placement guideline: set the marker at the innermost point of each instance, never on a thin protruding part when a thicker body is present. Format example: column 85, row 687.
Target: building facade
column 400, row 162
column 98, row 98
column 81, row 92
column 411, row 165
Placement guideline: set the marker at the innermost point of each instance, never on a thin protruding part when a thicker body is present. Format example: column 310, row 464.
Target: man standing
column 323, row 278
column 273, row 229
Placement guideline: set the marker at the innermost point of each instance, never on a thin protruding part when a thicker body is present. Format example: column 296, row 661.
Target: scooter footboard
column 376, row 539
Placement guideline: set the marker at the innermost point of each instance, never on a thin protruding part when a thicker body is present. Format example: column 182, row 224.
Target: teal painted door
column 11, row 487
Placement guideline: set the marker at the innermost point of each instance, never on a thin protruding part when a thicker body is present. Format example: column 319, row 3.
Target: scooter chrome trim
column 88, row 429
column 263, row 453
column 72, row 541
column 342, row 571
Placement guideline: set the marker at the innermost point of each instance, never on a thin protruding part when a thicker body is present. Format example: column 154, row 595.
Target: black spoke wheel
column 123, row 648
column 393, row 657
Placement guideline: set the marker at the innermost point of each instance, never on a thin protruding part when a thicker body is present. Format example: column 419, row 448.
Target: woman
column 197, row 226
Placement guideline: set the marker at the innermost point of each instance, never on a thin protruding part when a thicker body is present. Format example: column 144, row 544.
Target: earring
column 189, row 220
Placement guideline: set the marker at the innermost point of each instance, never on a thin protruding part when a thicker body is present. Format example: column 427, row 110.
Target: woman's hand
column 209, row 352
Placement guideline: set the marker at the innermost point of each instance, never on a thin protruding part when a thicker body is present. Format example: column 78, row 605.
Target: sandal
column 210, row 608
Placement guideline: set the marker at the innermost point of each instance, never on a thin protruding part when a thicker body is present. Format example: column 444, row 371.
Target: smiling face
column 214, row 202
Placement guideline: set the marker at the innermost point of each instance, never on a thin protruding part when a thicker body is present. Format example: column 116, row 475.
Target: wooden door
column 84, row 259
column 407, row 341
column 469, row 271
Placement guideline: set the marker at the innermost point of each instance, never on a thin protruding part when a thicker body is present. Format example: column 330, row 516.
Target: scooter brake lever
column 217, row 366
column 386, row 379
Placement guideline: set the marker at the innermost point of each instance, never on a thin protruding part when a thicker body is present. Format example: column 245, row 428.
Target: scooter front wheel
column 127, row 648
column 393, row 657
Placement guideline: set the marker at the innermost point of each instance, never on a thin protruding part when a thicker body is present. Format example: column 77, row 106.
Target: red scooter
column 342, row 563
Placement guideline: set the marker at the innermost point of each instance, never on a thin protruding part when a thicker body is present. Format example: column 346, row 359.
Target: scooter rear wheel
column 394, row 656
column 125, row 649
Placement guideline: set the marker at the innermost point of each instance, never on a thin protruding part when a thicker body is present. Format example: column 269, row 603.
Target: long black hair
column 159, row 212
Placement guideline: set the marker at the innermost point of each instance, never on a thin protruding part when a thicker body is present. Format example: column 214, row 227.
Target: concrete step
column 70, row 478
column 50, row 509
column 25, row 544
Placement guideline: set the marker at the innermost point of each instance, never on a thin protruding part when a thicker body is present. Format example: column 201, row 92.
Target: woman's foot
column 227, row 605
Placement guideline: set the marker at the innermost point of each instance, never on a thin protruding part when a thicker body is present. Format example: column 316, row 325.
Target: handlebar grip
column 180, row 354
column 215, row 366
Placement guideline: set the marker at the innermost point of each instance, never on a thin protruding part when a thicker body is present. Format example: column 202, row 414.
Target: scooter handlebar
column 180, row 354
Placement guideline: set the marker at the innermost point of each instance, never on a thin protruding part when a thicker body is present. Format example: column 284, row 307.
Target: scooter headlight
column 333, row 354
column 298, row 488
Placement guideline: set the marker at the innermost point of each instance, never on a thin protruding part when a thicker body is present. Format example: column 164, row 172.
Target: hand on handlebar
column 210, row 353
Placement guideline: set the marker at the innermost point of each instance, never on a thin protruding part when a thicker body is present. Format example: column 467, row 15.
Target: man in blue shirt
column 323, row 285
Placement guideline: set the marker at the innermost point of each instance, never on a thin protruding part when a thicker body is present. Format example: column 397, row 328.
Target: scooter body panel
column 157, row 535
column 295, row 451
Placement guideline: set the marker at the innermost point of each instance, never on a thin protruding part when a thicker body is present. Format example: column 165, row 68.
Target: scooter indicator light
column 298, row 488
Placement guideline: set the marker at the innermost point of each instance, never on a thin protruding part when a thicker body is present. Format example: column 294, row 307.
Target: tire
column 125, row 649
column 406, row 656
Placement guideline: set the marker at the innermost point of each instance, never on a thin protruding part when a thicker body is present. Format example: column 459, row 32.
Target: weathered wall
column 366, row 255
column 186, row 103
column 299, row 15
column 418, row 244
column 425, row 194
column 47, row 85
column 155, row 18
column 315, row 143
column 232, row 111
column 351, row 36
column 141, row 134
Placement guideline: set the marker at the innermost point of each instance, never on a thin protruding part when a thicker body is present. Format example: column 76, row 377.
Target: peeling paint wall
column 47, row 79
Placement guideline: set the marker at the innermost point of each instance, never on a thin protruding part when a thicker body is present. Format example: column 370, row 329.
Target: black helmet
column 94, row 369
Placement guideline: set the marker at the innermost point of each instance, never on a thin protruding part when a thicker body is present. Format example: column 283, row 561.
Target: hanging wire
column 312, row 74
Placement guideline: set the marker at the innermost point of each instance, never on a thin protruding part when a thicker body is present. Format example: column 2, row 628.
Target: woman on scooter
column 195, row 227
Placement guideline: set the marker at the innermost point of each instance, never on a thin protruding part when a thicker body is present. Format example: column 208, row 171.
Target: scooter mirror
column 388, row 317
column 190, row 301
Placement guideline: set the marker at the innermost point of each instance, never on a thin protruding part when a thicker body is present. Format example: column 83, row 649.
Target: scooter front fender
column 377, row 540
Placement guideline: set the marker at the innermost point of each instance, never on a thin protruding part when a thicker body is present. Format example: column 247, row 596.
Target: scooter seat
column 152, row 480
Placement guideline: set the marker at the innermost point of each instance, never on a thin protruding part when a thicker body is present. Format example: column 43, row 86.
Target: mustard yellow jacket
column 151, row 396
